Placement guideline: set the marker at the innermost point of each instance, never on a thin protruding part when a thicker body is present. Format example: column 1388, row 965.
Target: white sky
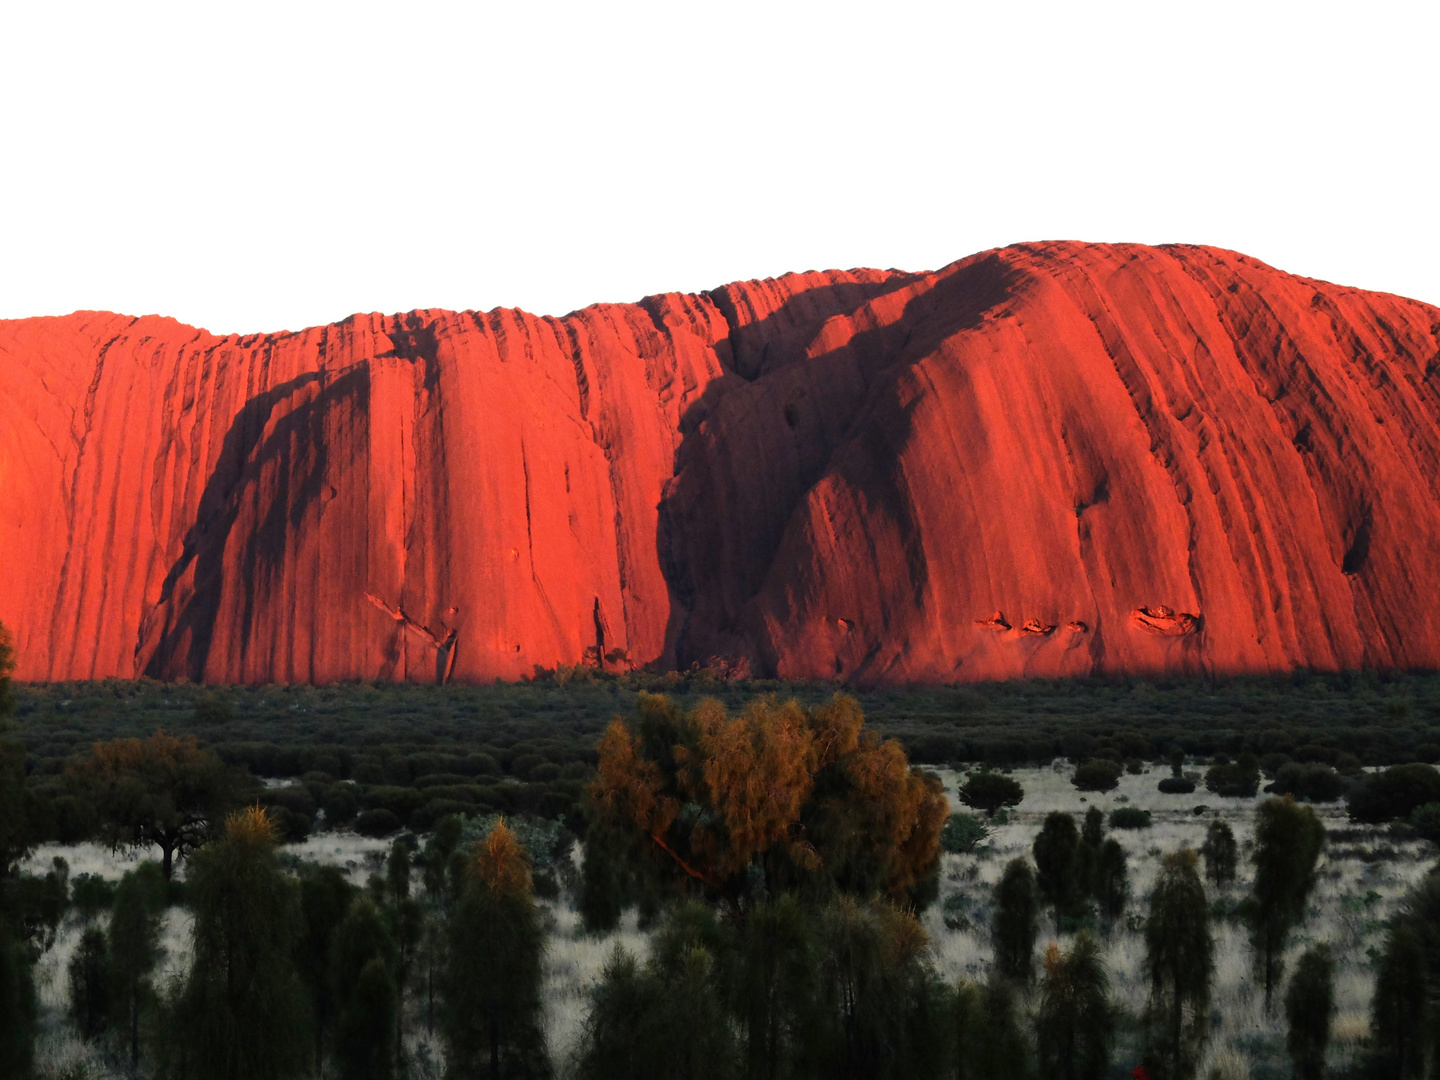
column 259, row 166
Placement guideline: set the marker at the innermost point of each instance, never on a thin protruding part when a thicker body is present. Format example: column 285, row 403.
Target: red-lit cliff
column 1051, row 459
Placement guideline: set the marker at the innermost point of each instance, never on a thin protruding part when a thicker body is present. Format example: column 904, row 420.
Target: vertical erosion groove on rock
column 1191, row 462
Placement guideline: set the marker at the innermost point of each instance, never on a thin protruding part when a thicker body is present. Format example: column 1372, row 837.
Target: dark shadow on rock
column 723, row 514
column 297, row 445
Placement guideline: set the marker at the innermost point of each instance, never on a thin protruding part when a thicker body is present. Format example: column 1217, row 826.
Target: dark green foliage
column 492, row 978
column 1309, row 1009
column 1222, row 855
column 18, row 1007
column 1098, row 774
column 325, row 897
column 658, row 1021
column 362, row 973
column 963, row 833
column 366, row 1032
column 774, row 983
column 1058, row 869
column 397, row 869
column 1112, row 880
column 882, row 1011
column 378, row 822
column 1129, row 817
column 989, row 791
column 1176, row 785
column 1288, row 841
column 89, row 977
column 91, row 894
column 1401, row 1010
column 989, row 1043
column 1426, row 822
column 1394, row 793
column 1179, row 957
column 212, row 711
column 1238, row 779
column 1074, row 1025
column 1313, row 782
column 1406, row 1007
column 134, row 943
column 1013, row 930
column 1177, row 763
column 242, row 1012
column 1092, row 830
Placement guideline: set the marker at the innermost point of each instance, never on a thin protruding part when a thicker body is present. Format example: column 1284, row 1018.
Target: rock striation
column 1190, row 461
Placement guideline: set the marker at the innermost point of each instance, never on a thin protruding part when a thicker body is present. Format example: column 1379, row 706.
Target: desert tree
column 779, row 798
column 1112, row 880
column 325, row 897
column 882, row 1012
column 1400, row 1010
column 988, row 1042
column 134, row 945
column 363, row 958
column 163, row 790
column 1058, row 866
column 990, row 791
column 1013, row 929
column 491, row 1018
column 774, row 983
column 1074, row 1024
column 1179, row 958
column 1221, row 853
column 1288, row 841
column 242, row 1012
column 89, row 979
column 1309, row 1010
column 1406, row 1006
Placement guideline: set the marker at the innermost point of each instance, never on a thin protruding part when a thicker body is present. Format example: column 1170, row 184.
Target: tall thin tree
column 1074, row 1025
column 1013, row 929
column 1309, row 1010
column 492, row 982
column 135, row 922
column 1057, row 865
column 1179, row 956
column 1288, row 841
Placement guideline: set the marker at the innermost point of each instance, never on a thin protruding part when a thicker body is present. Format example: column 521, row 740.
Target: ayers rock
column 1046, row 460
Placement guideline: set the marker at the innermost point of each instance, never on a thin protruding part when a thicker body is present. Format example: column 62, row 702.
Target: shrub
column 989, row 791
column 1098, row 774
column 1316, row 782
column 1238, row 780
column 1394, row 793
column 378, row 822
column 1129, row 817
column 963, row 833
column 1425, row 820
column 1176, row 785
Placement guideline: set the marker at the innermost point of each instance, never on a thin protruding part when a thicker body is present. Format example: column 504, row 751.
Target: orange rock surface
column 1191, row 462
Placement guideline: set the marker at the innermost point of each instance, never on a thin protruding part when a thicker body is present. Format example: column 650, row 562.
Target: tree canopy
column 163, row 790
column 801, row 797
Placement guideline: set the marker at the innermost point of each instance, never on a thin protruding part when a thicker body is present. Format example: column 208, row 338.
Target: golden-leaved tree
column 783, row 796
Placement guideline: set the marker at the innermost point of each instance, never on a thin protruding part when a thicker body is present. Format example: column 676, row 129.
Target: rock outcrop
column 1190, row 461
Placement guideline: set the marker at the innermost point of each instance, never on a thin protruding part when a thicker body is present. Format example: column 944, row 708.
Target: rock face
column 1047, row 460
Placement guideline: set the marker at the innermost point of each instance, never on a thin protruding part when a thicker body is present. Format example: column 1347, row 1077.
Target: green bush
column 1129, row 817
column 378, row 822
column 1426, row 821
column 1316, row 782
column 989, row 791
column 1176, row 785
column 1240, row 780
column 963, row 833
column 1098, row 774
column 1395, row 793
